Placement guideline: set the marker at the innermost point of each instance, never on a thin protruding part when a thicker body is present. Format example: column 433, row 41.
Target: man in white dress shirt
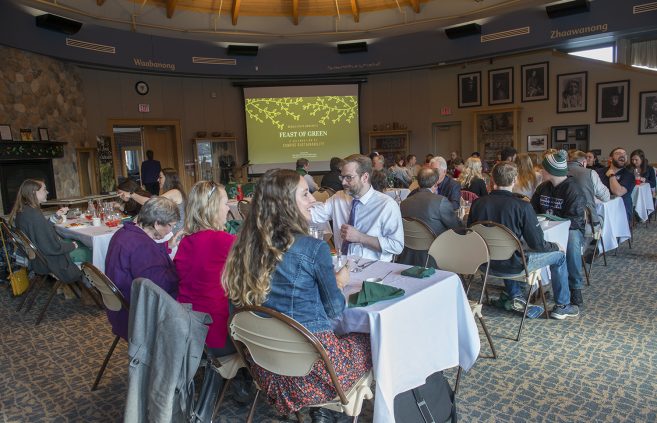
column 361, row 214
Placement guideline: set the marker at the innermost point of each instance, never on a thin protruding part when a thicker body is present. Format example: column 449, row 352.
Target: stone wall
column 38, row 91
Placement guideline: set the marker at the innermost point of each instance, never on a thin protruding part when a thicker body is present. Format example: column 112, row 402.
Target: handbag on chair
column 19, row 280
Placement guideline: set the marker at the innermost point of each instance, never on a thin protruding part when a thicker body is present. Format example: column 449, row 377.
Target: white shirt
column 312, row 186
column 378, row 215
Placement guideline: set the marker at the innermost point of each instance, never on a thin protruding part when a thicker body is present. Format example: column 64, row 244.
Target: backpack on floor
column 432, row 402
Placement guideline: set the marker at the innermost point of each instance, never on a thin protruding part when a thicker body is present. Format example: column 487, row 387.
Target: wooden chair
column 417, row 235
column 502, row 245
column 596, row 235
column 281, row 345
column 243, row 207
column 465, row 254
column 112, row 299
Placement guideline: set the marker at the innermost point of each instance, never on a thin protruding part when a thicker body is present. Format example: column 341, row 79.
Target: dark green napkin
column 553, row 217
column 372, row 292
column 419, row 272
column 233, row 226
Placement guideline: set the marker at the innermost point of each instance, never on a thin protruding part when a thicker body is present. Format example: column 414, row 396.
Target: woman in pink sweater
column 200, row 260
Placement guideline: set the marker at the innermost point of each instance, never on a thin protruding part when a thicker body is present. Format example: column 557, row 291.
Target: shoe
column 321, row 415
column 518, row 304
column 561, row 312
column 242, row 388
column 576, row 297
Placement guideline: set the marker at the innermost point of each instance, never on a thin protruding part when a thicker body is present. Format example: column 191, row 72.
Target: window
column 606, row 54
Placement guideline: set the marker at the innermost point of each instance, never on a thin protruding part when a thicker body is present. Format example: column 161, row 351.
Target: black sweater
column 566, row 200
column 516, row 214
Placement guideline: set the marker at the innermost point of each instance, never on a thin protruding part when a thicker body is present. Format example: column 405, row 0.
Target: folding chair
column 329, row 190
column 502, row 245
column 596, row 235
column 468, row 196
column 17, row 241
column 417, row 235
column 321, row 195
column 243, row 207
column 283, row 346
column 465, row 254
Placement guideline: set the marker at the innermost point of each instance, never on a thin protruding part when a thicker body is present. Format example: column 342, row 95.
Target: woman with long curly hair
column 471, row 179
column 276, row 264
column 528, row 180
column 170, row 187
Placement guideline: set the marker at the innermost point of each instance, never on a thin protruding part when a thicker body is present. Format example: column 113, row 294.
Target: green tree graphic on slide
column 280, row 111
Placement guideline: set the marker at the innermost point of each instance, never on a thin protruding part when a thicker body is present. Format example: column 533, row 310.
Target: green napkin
column 372, row 292
column 553, row 217
column 233, row 226
column 419, row 272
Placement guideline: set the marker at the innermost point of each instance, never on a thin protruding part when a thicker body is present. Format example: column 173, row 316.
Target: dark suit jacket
column 434, row 210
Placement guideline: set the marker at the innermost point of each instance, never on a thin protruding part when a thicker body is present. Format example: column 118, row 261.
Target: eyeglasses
column 347, row 178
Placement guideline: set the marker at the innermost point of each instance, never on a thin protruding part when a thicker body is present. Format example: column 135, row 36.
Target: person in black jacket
column 332, row 179
column 504, row 207
column 560, row 195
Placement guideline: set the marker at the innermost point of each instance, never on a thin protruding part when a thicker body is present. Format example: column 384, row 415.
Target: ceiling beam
column 171, row 7
column 416, row 5
column 295, row 12
column 236, row 10
column 100, row 2
column 354, row 10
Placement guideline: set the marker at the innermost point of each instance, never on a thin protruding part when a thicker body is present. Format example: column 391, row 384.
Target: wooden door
column 447, row 138
column 161, row 139
column 88, row 172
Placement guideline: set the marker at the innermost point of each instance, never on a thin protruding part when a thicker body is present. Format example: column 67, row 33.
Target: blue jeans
column 574, row 259
column 559, row 269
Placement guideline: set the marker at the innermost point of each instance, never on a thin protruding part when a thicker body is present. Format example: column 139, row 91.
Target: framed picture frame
column 581, row 134
column 43, row 134
column 500, row 86
column 469, row 86
column 26, row 134
column 647, row 112
column 572, row 92
column 5, row 133
column 534, row 82
column 537, row 142
column 561, row 135
column 612, row 101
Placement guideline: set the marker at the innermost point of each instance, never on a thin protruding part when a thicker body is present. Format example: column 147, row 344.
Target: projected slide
column 313, row 122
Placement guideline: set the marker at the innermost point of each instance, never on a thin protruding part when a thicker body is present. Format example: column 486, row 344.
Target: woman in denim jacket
column 276, row 264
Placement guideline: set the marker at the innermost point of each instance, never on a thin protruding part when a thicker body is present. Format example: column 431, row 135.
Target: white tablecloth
column 429, row 329
column 554, row 231
column 95, row 237
column 615, row 228
column 403, row 192
column 642, row 201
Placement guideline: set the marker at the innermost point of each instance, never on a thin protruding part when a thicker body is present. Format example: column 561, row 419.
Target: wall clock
column 141, row 87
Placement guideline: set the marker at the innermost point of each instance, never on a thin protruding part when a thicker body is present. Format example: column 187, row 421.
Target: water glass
column 356, row 253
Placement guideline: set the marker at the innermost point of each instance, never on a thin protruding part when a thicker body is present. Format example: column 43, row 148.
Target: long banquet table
column 429, row 329
column 95, row 237
column 615, row 228
column 643, row 201
column 554, row 231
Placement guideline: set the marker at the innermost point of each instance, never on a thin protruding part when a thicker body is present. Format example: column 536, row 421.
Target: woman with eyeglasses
column 171, row 188
column 275, row 263
column 134, row 252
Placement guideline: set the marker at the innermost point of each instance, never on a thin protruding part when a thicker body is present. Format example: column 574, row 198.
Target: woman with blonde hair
column 472, row 179
column 276, row 264
column 528, row 179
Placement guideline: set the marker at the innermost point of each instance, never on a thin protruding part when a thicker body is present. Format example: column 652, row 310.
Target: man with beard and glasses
column 618, row 179
column 362, row 215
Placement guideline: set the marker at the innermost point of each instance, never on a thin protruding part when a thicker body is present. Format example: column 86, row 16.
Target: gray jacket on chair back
column 165, row 344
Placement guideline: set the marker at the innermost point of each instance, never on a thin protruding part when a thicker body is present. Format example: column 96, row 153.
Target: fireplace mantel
column 25, row 150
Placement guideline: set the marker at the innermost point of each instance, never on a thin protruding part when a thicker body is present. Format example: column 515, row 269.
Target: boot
column 321, row 415
column 576, row 298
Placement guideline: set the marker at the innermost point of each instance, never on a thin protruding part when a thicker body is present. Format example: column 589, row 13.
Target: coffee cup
column 95, row 221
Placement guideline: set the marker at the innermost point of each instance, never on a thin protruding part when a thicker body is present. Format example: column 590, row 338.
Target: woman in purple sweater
column 134, row 253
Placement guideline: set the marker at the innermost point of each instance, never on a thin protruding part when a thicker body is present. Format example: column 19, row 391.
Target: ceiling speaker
column 58, row 24
column 568, row 8
column 240, row 50
column 345, row 48
column 463, row 31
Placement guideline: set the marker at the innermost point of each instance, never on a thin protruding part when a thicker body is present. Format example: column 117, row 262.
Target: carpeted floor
column 599, row 367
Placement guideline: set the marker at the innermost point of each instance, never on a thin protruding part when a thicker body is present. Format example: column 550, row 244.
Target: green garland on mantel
column 11, row 150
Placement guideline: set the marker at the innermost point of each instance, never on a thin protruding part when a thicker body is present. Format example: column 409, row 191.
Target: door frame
column 180, row 162
column 436, row 125
column 94, row 177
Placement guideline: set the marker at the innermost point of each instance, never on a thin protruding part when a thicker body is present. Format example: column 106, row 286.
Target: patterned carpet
column 599, row 367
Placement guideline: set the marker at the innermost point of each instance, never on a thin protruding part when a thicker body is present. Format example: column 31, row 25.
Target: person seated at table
column 434, row 210
column 577, row 160
column 303, row 165
column 332, row 178
column 128, row 205
column 619, row 179
column 379, row 180
column 509, row 209
column 171, row 188
column 560, row 195
column 134, row 252
column 639, row 165
column 400, row 174
column 276, row 264
column 446, row 186
column 61, row 255
column 592, row 161
column 471, row 179
column 528, row 179
column 362, row 215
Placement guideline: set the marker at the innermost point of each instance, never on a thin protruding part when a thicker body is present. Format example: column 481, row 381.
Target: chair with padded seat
column 502, row 245
column 468, row 196
column 321, row 195
column 281, row 345
column 243, row 207
column 18, row 242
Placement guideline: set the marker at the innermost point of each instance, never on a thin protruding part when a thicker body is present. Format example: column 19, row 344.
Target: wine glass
column 356, row 253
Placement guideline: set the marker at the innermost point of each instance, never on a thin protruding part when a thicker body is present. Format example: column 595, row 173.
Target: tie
column 351, row 222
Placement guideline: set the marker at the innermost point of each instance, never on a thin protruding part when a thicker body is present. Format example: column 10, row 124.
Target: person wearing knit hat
column 559, row 195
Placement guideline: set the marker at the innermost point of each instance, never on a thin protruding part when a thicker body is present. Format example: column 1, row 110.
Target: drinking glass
column 356, row 253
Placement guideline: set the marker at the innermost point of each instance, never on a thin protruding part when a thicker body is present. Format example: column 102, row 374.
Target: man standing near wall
column 150, row 172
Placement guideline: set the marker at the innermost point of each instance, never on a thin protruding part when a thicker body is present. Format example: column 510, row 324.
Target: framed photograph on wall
column 469, row 85
column 571, row 92
column 43, row 134
column 537, row 142
column 5, row 133
column 535, row 79
column 648, row 112
column 561, row 135
column 613, row 101
column 500, row 86
column 26, row 134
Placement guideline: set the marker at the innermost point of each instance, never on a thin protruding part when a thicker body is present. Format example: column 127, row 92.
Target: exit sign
column 445, row 111
column 144, row 108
